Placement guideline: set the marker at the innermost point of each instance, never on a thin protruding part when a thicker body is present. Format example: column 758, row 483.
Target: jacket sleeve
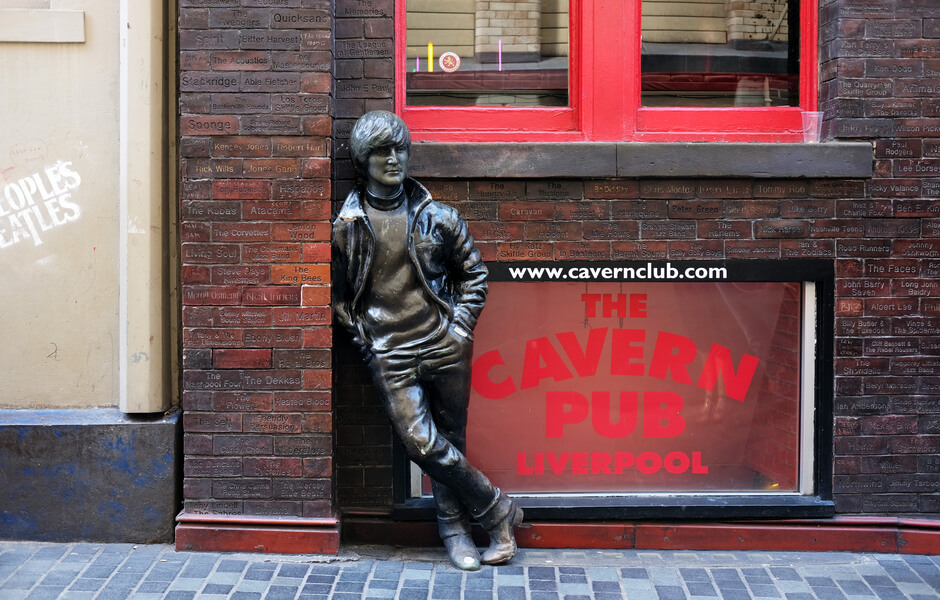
column 341, row 293
column 467, row 273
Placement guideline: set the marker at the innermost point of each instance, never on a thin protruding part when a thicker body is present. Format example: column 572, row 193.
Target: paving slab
column 83, row 571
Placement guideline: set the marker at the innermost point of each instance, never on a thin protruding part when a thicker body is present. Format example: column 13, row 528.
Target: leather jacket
column 441, row 249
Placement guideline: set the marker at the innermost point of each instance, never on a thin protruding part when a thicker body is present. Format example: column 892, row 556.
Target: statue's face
column 387, row 168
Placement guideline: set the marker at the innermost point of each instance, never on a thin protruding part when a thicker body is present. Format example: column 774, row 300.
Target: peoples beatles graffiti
column 40, row 202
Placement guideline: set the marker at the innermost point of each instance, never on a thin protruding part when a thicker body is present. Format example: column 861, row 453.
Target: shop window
column 606, row 70
column 597, row 383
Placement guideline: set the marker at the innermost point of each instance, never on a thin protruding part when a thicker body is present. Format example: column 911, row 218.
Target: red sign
column 638, row 387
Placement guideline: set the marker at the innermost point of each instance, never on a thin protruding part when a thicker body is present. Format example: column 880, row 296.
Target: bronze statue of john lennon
column 409, row 284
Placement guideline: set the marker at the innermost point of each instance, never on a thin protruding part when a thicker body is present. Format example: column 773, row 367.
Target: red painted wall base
column 845, row 534
column 220, row 534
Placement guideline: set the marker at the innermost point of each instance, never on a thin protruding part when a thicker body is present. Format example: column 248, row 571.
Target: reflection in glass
column 479, row 53
column 720, row 53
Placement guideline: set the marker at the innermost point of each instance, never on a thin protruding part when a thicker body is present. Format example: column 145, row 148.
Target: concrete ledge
column 42, row 25
column 93, row 475
column 640, row 159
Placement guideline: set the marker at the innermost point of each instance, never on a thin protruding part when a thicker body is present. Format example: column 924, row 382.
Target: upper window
column 525, row 70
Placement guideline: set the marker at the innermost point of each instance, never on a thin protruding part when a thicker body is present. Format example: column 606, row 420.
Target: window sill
column 638, row 159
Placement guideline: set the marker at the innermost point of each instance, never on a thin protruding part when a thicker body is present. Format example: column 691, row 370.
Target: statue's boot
column 498, row 522
column 463, row 552
column 455, row 531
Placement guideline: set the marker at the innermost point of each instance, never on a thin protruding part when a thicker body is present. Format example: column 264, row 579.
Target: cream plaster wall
column 59, row 279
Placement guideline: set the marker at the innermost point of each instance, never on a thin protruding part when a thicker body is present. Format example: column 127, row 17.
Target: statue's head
column 377, row 130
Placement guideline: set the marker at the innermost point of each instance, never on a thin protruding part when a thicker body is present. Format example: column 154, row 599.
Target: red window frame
column 604, row 92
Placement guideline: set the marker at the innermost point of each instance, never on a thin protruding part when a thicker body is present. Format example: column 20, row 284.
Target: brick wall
column 255, row 126
column 880, row 77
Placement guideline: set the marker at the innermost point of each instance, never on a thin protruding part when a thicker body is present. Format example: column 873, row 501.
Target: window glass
column 487, row 53
column 720, row 53
column 626, row 387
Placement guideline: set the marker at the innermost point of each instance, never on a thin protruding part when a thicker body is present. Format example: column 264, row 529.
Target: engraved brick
column 208, row 40
column 526, row 211
column 300, row 274
column 240, row 146
column 273, row 379
column 553, row 231
column 916, row 366
column 752, row 209
column 583, row 250
column 277, row 423
column 554, row 190
column 863, row 288
column 241, row 232
column 271, row 296
column 315, row 295
column 301, row 61
column 614, row 190
column 639, row 250
column 832, row 228
column 364, row 49
column 752, row 249
column 241, row 488
column 211, row 295
column 497, row 190
column 212, row 467
column 301, row 232
column 241, row 359
column 197, row 444
column 891, row 347
column 807, row 249
column 805, row 209
column 299, row 146
column 191, row 274
column 889, row 464
column 239, row 104
column 511, row 251
column 724, row 229
column 612, row 230
column 266, row 39
column 582, row 211
column 214, row 125
column 890, row 306
column 773, row 188
column 861, row 445
column 273, row 467
column 862, row 326
column 202, row 168
column 241, row 401
column 892, row 108
column 196, row 359
column 639, row 209
column 270, row 125
column 280, row 253
column 303, row 445
column 301, row 359
column 214, row 422
column 666, row 189
column 779, row 228
column 858, row 484
column 892, row 228
column 240, row 61
column 302, row 401
column 303, row 488
column 243, row 317
column 849, row 307
column 310, row 189
column 701, row 249
column 724, row 188
column 303, row 18
column 695, row 209
column 856, row 209
column 210, row 380
column 863, row 248
column 318, row 423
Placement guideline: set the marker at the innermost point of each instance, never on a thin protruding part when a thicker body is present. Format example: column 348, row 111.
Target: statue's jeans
column 426, row 392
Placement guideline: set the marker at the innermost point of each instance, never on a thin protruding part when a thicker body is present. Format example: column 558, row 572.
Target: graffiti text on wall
column 35, row 204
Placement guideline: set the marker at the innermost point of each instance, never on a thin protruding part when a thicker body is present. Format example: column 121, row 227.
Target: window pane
column 487, row 53
column 720, row 53
column 628, row 387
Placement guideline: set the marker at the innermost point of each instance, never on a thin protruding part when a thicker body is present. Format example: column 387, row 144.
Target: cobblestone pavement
column 31, row 570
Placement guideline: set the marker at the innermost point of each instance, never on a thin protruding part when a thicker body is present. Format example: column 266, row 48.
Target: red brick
column 242, row 401
column 583, row 250
column 697, row 249
column 645, row 250
column 242, row 359
column 241, row 189
column 526, row 211
column 302, row 232
column 301, row 317
column 316, row 253
column 319, row 337
column 212, row 125
column 317, row 379
column 315, row 295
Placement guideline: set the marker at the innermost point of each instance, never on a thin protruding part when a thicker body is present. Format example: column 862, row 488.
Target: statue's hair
column 373, row 130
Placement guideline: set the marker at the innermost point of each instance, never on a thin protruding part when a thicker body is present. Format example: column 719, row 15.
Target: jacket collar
column 418, row 196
